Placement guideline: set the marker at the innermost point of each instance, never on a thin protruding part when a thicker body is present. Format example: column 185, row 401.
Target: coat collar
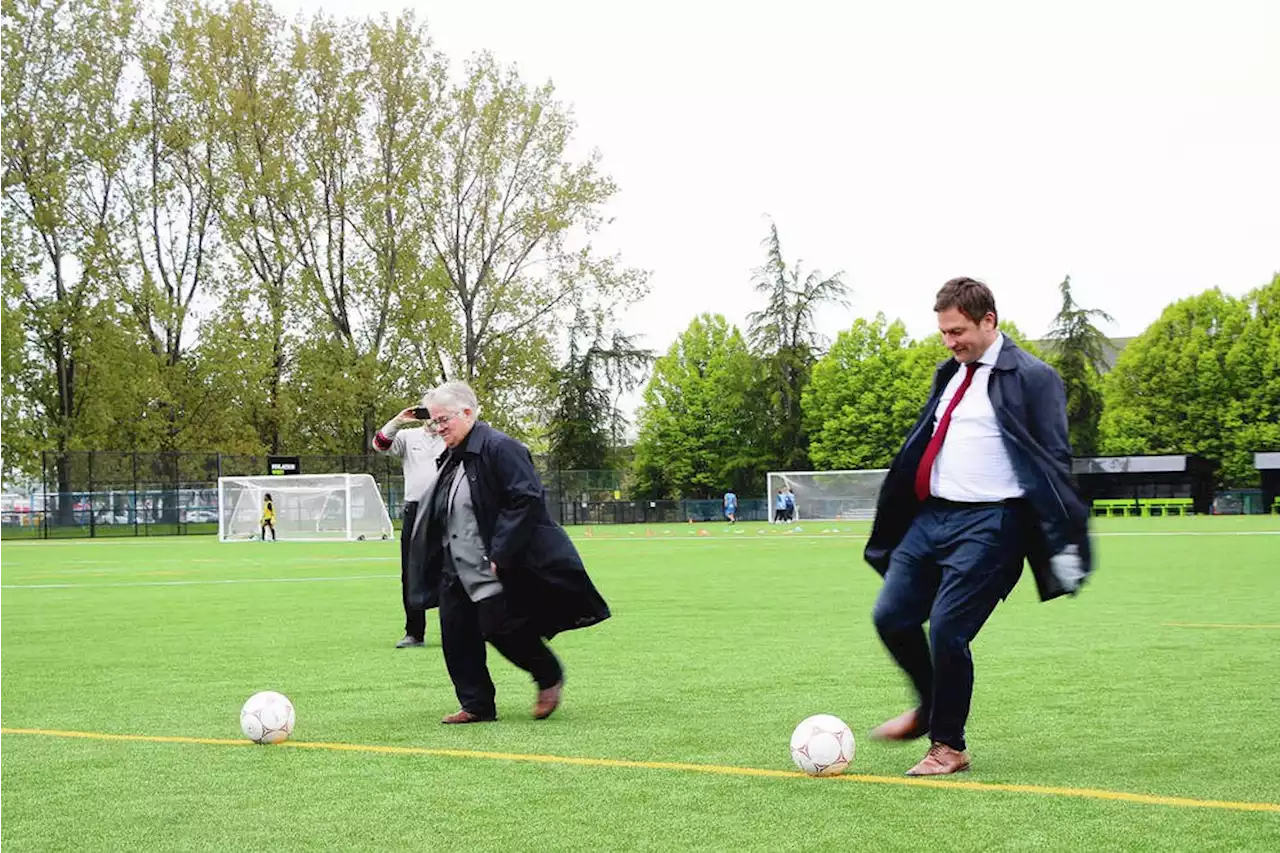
column 1008, row 359
column 475, row 438
column 470, row 447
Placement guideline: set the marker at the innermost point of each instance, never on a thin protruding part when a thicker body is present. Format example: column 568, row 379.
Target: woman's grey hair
column 454, row 395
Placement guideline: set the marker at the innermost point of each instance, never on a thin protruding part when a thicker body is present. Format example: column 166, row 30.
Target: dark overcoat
column 542, row 574
column 1030, row 405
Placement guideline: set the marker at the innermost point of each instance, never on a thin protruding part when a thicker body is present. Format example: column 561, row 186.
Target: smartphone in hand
column 422, row 413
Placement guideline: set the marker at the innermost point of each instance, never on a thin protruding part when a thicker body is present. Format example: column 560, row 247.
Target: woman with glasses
column 503, row 571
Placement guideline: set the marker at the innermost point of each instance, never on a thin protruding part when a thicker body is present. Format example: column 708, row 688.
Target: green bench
column 1116, row 508
column 1148, row 507
column 1166, row 506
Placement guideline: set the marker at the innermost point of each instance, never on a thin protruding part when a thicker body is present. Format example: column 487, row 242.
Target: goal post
column 308, row 508
column 829, row 495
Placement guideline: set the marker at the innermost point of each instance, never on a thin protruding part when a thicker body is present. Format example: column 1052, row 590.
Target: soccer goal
column 309, row 508
column 832, row 495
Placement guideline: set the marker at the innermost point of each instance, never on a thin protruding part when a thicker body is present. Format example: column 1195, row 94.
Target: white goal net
column 317, row 507
column 833, row 495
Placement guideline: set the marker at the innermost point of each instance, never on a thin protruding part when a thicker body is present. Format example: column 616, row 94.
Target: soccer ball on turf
column 822, row 745
column 267, row 717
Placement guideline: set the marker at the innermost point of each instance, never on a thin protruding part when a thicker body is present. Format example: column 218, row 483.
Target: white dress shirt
column 973, row 465
column 418, row 450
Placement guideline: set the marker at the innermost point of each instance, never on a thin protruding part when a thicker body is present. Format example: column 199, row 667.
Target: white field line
column 211, row 582
column 777, row 538
column 167, row 541
column 208, row 561
column 783, row 537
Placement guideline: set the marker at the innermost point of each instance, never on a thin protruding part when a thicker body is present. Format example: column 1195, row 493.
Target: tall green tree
column 698, row 425
column 165, row 252
column 403, row 91
column 242, row 80
column 508, row 214
column 19, row 372
column 64, row 149
column 784, row 336
column 868, row 389
column 586, row 423
column 345, row 300
column 231, row 368
column 1181, row 386
column 1078, row 351
column 1011, row 329
column 1254, row 359
column 225, row 230
column 866, row 392
column 162, row 252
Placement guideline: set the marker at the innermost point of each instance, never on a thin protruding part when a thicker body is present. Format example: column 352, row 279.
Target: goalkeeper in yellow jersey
column 268, row 517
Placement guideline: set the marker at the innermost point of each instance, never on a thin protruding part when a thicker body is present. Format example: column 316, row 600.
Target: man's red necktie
column 925, row 472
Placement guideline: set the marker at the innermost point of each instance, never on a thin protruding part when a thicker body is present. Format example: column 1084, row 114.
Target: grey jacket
column 466, row 543
column 470, row 559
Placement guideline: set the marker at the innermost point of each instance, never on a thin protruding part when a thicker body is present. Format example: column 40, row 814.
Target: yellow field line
column 1218, row 625
column 955, row 784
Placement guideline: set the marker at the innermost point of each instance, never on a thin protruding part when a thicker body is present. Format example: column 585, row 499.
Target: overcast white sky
column 1134, row 144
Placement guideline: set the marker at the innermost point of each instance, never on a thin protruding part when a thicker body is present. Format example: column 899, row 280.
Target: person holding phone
column 407, row 438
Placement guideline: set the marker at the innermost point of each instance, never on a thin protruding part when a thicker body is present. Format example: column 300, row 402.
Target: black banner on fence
column 283, row 465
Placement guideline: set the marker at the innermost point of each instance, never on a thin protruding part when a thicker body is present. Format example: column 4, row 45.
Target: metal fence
column 104, row 493
column 107, row 493
column 658, row 512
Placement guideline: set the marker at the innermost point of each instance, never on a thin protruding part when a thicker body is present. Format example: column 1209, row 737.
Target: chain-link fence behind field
column 106, row 493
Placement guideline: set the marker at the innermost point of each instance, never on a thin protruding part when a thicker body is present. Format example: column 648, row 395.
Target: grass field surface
column 1141, row 715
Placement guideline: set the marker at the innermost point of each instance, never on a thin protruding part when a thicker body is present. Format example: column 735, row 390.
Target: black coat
column 542, row 575
column 1031, row 407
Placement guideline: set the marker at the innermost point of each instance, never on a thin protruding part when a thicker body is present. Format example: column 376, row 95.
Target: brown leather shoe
column 908, row 725
column 548, row 701
column 940, row 761
column 460, row 717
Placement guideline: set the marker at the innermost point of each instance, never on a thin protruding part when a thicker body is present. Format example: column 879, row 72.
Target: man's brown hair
column 972, row 297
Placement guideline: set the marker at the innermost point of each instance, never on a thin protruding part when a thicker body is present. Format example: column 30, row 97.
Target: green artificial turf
column 722, row 640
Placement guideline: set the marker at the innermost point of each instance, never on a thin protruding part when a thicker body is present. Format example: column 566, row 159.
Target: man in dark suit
column 505, row 572
column 981, row 483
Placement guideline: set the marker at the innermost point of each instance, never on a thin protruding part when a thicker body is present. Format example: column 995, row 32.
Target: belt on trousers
column 944, row 505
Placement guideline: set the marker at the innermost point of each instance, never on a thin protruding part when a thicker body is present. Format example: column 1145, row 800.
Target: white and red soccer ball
column 267, row 717
column 822, row 745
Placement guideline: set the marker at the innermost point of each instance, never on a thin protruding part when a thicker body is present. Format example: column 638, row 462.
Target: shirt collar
column 993, row 352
